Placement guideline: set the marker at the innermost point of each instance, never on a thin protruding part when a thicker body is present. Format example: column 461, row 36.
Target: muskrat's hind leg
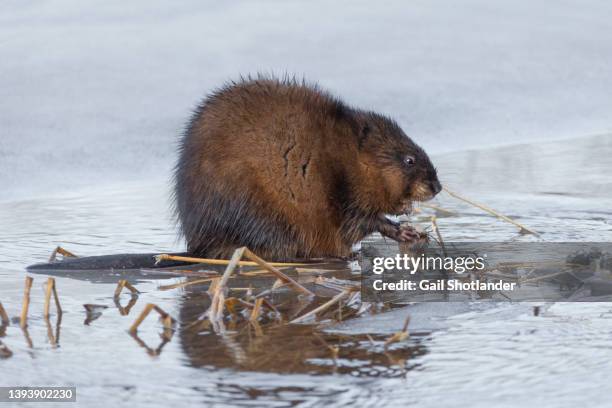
column 396, row 231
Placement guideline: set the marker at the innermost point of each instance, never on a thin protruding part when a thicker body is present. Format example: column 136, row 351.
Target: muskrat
column 289, row 171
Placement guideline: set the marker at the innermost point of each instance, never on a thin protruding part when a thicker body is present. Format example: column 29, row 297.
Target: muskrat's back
column 255, row 170
column 270, row 165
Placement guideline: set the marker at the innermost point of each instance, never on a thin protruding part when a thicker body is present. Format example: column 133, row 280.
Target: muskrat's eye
column 409, row 160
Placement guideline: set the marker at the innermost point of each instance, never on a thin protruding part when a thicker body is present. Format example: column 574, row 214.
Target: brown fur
column 291, row 172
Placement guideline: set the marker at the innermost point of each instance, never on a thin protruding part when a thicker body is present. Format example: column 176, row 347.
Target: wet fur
column 289, row 171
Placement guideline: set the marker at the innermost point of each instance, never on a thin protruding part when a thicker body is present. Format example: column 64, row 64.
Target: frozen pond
column 94, row 98
column 471, row 353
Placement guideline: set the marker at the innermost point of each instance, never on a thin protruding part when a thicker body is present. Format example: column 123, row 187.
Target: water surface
column 462, row 354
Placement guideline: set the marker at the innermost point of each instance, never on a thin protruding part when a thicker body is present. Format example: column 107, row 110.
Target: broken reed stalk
column 399, row 336
column 184, row 284
column 4, row 319
column 167, row 320
column 294, row 284
column 51, row 290
column 256, row 310
column 61, row 251
column 123, row 283
column 335, row 350
column 523, row 228
column 322, row 308
column 167, row 257
column 541, row 278
column 438, row 209
column 23, row 321
column 215, row 311
column 213, row 286
column 434, row 225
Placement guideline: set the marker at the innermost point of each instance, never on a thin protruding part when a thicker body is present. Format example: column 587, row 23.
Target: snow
column 95, row 93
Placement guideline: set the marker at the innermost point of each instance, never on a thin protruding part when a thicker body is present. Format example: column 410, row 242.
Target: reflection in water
column 125, row 310
column 26, row 335
column 270, row 345
column 54, row 338
column 165, row 337
column 480, row 353
column 93, row 312
column 5, row 352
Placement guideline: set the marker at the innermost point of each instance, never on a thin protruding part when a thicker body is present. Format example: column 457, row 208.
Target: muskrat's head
column 393, row 168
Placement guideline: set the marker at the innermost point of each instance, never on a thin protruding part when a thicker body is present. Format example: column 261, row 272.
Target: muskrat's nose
column 435, row 186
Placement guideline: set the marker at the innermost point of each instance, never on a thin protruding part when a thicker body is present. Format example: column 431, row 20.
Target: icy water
column 460, row 354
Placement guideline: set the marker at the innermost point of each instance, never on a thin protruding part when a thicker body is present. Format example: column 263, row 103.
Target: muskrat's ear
column 364, row 132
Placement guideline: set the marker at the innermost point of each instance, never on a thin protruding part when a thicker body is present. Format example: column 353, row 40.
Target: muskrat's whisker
column 523, row 229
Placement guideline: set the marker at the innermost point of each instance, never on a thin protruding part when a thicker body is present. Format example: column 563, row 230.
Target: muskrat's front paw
column 407, row 233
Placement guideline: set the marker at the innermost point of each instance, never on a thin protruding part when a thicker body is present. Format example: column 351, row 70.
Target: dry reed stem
column 438, row 209
column 215, row 311
column 540, row 278
column 315, row 271
column 61, row 251
column 277, row 284
column 295, row 285
column 48, row 292
column 434, row 226
column 184, row 284
column 523, row 229
column 298, row 270
column 530, row 264
column 256, row 310
column 167, row 257
column 23, row 321
column 167, row 321
column 213, row 286
column 256, row 327
column 259, row 272
column 4, row 319
column 399, row 336
column 322, row 308
column 125, row 284
column 232, row 302
column 335, row 350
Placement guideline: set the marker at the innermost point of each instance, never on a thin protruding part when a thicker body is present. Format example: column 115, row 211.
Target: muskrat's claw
column 407, row 233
